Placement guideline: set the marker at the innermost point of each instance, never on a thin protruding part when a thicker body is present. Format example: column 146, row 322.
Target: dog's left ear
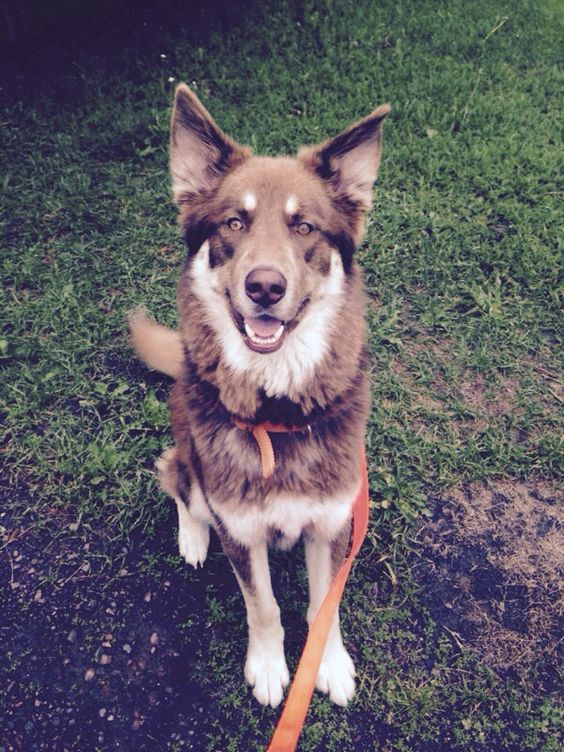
column 349, row 162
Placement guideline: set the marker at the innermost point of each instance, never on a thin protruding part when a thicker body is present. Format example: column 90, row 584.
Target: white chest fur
column 287, row 515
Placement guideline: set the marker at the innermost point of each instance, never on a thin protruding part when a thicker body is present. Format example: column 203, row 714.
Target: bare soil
column 491, row 564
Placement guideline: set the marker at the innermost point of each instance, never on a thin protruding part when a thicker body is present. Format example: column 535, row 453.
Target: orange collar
column 260, row 433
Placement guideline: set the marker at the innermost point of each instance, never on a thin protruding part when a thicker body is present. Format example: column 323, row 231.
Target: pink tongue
column 264, row 326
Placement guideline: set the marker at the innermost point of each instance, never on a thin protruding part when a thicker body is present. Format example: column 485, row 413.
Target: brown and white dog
column 272, row 329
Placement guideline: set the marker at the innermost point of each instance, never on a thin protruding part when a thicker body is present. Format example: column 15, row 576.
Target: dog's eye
column 304, row 228
column 235, row 224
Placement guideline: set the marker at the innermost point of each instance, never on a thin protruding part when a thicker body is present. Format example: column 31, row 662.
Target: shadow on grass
column 103, row 651
column 52, row 47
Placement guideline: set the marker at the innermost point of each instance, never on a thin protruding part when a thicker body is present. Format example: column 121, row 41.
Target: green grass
column 462, row 263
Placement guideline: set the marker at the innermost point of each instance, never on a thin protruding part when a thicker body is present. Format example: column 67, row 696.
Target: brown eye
column 235, row 224
column 304, row 228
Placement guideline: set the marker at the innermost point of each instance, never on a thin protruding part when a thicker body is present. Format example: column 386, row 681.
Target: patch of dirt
column 420, row 397
column 486, row 402
column 482, row 398
column 491, row 566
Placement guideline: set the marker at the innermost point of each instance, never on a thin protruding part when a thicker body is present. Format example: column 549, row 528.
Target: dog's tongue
column 264, row 326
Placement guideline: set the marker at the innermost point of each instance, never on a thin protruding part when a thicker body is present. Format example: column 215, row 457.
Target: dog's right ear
column 201, row 154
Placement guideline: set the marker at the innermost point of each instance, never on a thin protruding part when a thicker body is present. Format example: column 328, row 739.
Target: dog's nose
column 265, row 286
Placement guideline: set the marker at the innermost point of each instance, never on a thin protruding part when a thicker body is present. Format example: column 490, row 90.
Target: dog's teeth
column 257, row 339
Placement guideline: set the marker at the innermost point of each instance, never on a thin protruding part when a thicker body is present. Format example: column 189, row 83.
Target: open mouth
column 264, row 333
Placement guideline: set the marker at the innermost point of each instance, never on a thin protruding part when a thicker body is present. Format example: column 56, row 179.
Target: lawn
column 107, row 640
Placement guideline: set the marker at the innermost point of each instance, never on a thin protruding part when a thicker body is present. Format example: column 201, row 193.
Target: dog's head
column 271, row 240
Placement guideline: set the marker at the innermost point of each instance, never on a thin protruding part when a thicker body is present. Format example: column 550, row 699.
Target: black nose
column 265, row 286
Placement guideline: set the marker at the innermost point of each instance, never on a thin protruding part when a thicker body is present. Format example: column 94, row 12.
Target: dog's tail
column 157, row 346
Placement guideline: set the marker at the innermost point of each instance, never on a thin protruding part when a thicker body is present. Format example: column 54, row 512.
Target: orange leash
column 291, row 721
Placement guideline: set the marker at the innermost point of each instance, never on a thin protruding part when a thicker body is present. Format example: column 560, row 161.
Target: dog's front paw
column 193, row 540
column 266, row 671
column 336, row 675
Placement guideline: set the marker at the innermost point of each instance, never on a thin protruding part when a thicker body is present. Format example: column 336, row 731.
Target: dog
column 271, row 394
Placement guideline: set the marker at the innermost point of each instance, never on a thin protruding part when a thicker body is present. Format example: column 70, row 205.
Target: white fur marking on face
column 291, row 205
column 294, row 363
column 202, row 270
column 249, row 202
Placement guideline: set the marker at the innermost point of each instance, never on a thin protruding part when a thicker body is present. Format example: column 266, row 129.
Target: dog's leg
column 265, row 668
column 193, row 536
column 336, row 672
column 193, row 529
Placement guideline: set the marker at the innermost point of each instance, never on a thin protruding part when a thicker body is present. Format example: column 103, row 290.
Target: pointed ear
column 349, row 162
column 201, row 154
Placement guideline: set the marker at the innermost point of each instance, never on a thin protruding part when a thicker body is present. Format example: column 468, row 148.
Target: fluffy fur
column 271, row 312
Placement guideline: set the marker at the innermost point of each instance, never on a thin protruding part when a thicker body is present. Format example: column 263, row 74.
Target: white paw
column 267, row 673
column 193, row 541
column 336, row 675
